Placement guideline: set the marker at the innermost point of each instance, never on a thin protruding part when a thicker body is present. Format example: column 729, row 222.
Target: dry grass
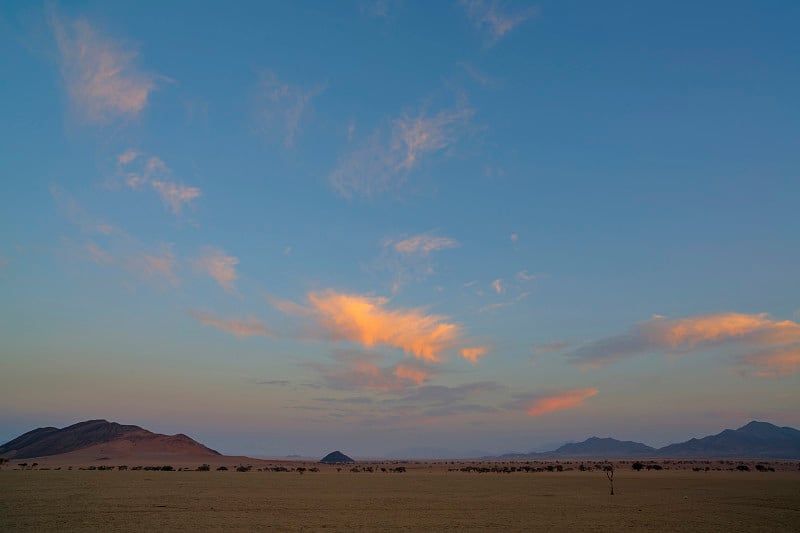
column 424, row 498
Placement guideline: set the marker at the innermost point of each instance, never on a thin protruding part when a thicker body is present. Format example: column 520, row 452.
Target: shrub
column 743, row 468
column 167, row 468
column 222, row 469
column 204, row 468
column 242, row 468
column 637, row 466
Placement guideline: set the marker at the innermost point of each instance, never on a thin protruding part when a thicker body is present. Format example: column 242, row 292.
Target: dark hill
column 756, row 440
column 605, row 447
column 336, row 457
column 44, row 442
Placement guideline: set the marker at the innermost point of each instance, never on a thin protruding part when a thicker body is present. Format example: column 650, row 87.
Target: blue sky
column 285, row 228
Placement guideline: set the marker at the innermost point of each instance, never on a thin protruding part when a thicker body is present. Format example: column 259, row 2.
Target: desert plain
column 427, row 496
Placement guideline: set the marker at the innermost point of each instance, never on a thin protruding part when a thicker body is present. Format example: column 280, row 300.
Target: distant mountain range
column 95, row 440
column 102, row 437
column 756, row 440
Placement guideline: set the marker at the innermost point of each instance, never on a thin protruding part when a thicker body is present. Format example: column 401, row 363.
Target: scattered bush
column 242, row 468
column 204, row 468
column 222, row 469
column 637, row 466
column 743, row 468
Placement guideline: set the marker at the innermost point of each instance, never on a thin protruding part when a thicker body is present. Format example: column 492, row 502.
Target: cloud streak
column 689, row 335
column 239, row 327
column 356, row 370
column 557, row 400
column 101, row 76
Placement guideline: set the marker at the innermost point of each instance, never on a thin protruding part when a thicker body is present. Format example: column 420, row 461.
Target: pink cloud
column 100, row 74
column 239, row 327
column 215, row 263
column 784, row 361
column 175, row 195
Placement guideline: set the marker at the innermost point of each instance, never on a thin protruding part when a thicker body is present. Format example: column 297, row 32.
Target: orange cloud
column 709, row 328
column 415, row 375
column 688, row 334
column 364, row 320
column 776, row 363
column 559, row 400
column 247, row 327
column 472, row 354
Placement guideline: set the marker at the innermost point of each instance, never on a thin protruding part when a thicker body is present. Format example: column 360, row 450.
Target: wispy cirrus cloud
column 157, row 266
column 365, row 320
column 139, row 170
column 409, row 258
column 379, row 165
column 776, row 362
column 282, row 106
column 239, row 327
column 697, row 333
column 538, row 404
column 495, row 18
column 423, row 244
column 97, row 254
column 355, row 370
column 76, row 214
column 216, row 263
column 175, row 195
column 100, row 73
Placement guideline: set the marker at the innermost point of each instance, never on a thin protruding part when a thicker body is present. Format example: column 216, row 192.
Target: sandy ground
column 426, row 497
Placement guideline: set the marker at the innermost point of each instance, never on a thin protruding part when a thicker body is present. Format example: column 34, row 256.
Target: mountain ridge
column 754, row 440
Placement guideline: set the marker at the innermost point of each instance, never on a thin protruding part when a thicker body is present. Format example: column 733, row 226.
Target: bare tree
column 609, row 468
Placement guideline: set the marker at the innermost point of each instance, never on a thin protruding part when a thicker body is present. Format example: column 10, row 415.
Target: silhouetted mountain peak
column 336, row 457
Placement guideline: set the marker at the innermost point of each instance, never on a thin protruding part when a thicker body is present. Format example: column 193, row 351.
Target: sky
column 473, row 226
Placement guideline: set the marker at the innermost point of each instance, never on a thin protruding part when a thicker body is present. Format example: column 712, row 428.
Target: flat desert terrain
column 429, row 497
